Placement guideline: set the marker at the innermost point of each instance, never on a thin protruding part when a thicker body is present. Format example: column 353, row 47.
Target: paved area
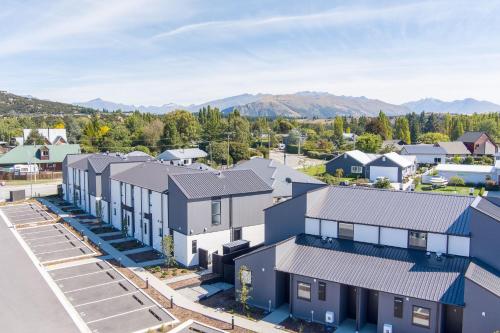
column 106, row 300
column 204, row 291
column 54, row 242
column 191, row 326
column 26, row 213
column 27, row 302
column 38, row 189
column 293, row 160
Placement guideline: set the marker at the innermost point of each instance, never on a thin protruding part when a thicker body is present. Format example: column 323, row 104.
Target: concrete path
column 278, row 315
column 160, row 286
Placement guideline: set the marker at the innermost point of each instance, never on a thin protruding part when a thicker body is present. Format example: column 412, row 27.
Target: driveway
column 293, row 160
column 39, row 189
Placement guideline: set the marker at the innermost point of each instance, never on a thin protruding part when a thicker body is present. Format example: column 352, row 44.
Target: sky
column 152, row 52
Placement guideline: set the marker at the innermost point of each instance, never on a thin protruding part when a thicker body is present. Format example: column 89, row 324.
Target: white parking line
column 108, row 298
column 67, row 249
column 93, row 286
column 46, row 244
column 75, row 276
column 121, row 314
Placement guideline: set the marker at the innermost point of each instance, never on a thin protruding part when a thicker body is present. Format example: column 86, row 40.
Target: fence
column 7, row 175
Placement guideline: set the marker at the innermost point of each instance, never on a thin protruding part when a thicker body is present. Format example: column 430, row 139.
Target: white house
column 184, row 156
column 473, row 174
column 53, row 136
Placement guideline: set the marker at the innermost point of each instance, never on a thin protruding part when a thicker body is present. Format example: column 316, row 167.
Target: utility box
column 387, row 328
column 17, row 195
column 235, row 246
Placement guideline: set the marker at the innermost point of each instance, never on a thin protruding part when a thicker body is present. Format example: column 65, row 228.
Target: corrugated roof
column 388, row 269
column 396, row 209
column 277, row 175
column 210, row 184
column 465, row 168
column 361, row 157
column 151, row 175
column 484, row 276
column 28, row 154
column 470, row 136
column 424, row 149
column 489, row 206
column 401, row 160
column 454, row 148
column 99, row 162
column 180, row 154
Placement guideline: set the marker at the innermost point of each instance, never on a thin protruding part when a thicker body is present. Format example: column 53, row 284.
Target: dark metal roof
column 489, row 206
column 470, row 136
column 396, row 209
column 80, row 164
column 151, row 175
column 393, row 270
column 210, row 184
column 484, row 276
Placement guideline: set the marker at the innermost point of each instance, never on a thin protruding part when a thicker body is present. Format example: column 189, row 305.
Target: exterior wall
column 92, row 181
column 366, row 233
column 285, row 219
column 116, row 217
column 105, row 211
column 379, row 162
column 312, row 226
column 481, row 310
column 138, row 213
column 329, row 228
column 394, row 237
column 254, row 234
column 427, row 159
column 437, row 243
column 468, row 177
column 301, row 188
column 177, row 217
column 157, row 220
column 248, row 210
column 210, row 241
column 458, row 245
column 484, row 243
column 344, row 163
column 92, row 203
column 386, row 314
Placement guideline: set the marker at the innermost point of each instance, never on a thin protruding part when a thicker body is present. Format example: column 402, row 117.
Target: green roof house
column 47, row 157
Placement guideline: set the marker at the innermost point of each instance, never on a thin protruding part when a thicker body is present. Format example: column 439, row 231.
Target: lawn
column 319, row 171
column 461, row 190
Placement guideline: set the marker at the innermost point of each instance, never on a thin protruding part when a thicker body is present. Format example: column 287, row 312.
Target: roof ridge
column 396, row 191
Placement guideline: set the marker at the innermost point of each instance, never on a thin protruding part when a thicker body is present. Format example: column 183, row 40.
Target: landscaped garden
column 461, row 190
column 103, row 229
column 127, row 245
column 164, row 272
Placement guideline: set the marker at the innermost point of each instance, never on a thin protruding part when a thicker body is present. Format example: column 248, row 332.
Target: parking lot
column 26, row 214
column 106, row 300
column 54, row 242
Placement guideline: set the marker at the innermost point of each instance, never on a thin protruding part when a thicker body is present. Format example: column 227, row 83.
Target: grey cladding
column 485, row 277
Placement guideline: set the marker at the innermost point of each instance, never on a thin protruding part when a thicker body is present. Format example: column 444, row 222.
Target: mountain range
column 310, row 104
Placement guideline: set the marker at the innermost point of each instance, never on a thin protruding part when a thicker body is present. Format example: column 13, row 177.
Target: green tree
column 35, row 138
column 338, row 129
column 168, row 250
column 403, row 130
column 382, row 183
column 489, row 126
column 244, row 277
column 456, row 181
column 181, row 128
column 239, row 151
column 385, row 126
column 457, row 128
column 433, row 137
column 152, row 133
column 369, row 143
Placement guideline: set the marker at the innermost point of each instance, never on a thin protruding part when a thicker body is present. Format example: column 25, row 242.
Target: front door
column 372, row 307
column 351, row 302
column 453, row 319
column 203, row 258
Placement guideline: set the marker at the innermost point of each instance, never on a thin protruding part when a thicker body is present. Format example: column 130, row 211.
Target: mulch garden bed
column 112, row 237
column 195, row 281
column 145, row 256
column 103, row 229
column 299, row 325
column 83, row 217
column 127, row 245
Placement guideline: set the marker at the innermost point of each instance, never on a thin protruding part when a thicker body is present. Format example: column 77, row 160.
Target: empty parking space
column 26, row 214
column 107, row 301
column 54, row 242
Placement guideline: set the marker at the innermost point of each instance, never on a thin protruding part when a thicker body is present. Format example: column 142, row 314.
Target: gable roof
column 401, row 160
column 361, row 157
column 28, row 154
column 209, row 184
column 488, row 206
column 472, row 136
column 484, row 276
column 50, row 134
column 99, row 161
column 181, row 154
column 430, row 212
column 393, row 270
column 277, row 175
column 454, row 148
column 423, row 149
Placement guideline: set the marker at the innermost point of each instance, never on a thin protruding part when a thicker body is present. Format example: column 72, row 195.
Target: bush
column 468, row 160
column 490, row 185
column 456, row 181
column 382, row 183
column 319, row 155
column 481, row 192
column 292, row 149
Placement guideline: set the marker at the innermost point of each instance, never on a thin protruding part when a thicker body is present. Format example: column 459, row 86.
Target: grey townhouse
column 82, row 175
column 202, row 210
column 380, row 260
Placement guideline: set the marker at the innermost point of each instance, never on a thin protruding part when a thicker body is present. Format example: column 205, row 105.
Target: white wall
column 394, row 237
column 468, row 177
column 92, row 209
column 436, row 242
column 389, row 172
column 429, row 159
column 366, row 233
column 458, row 245
column 312, row 226
column 328, row 228
column 105, row 211
column 138, row 213
column 115, row 204
column 156, row 220
column 212, row 242
column 254, row 234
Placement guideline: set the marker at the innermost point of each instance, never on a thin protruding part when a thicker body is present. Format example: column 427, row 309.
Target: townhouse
column 380, row 261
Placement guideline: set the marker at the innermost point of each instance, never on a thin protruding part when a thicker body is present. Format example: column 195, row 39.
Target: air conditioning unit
column 387, row 328
column 329, row 317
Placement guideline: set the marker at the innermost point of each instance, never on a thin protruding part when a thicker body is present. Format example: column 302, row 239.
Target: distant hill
column 100, row 104
column 17, row 105
column 464, row 106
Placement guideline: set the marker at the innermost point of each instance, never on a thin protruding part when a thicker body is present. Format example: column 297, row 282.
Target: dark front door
column 203, row 258
column 151, row 231
column 351, row 302
column 372, row 307
column 453, row 319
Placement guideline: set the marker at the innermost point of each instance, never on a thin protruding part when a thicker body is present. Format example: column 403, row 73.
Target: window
column 421, row 316
column 437, row 160
column 236, row 234
column 145, row 229
column 246, row 277
column 304, row 291
column 160, row 232
column 346, row 230
column 322, row 291
column 417, row 240
column 194, row 246
column 356, row 169
column 398, row 307
column 216, row 211
column 114, row 211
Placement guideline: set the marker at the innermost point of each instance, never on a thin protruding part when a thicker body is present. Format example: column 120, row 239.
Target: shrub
column 382, row 183
column 481, row 191
column 490, row 185
column 468, row 160
column 456, row 181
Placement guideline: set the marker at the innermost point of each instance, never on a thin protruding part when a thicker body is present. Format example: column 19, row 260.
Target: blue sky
column 156, row 51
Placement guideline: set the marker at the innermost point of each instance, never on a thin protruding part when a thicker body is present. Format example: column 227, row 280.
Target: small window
column 145, row 229
column 216, row 209
column 236, row 234
column 356, row 169
column 160, row 232
column 194, row 246
column 421, row 316
column 398, row 307
column 114, row 211
column 417, row 240
column 304, row 291
column 346, row 230
column 322, row 291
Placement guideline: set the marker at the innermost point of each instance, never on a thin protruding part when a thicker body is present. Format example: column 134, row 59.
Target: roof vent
column 428, row 254
column 439, row 256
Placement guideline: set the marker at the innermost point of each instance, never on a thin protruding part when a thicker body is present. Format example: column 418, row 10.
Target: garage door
column 389, row 172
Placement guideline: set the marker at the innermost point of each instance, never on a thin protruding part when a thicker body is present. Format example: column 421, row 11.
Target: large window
column 346, row 230
column 356, row 169
column 398, row 307
column 421, row 316
column 304, row 291
column 194, row 246
column 216, row 209
column 322, row 291
column 417, row 240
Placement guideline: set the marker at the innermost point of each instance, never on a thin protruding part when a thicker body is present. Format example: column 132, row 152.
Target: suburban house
column 454, row 149
column 479, row 143
column 184, row 156
column 277, row 175
column 208, row 210
column 395, row 145
column 392, row 166
column 52, row 136
column 46, row 157
column 380, row 261
column 352, row 163
column 436, row 153
column 471, row 174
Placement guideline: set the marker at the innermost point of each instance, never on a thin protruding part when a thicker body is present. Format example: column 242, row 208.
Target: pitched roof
column 150, row 175
column 401, row 160
column 489, row 206
column 395, row 209
column 50, row 134
column 181, row 154
column 424, row 149
column 484, row 276
column 361, row 157
column 209, row 184
column 465, row 168
column 454, row 148
column 277, row 175
column 99, row 161
column 393, row 270
column 471, row 136
column 28, row 154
